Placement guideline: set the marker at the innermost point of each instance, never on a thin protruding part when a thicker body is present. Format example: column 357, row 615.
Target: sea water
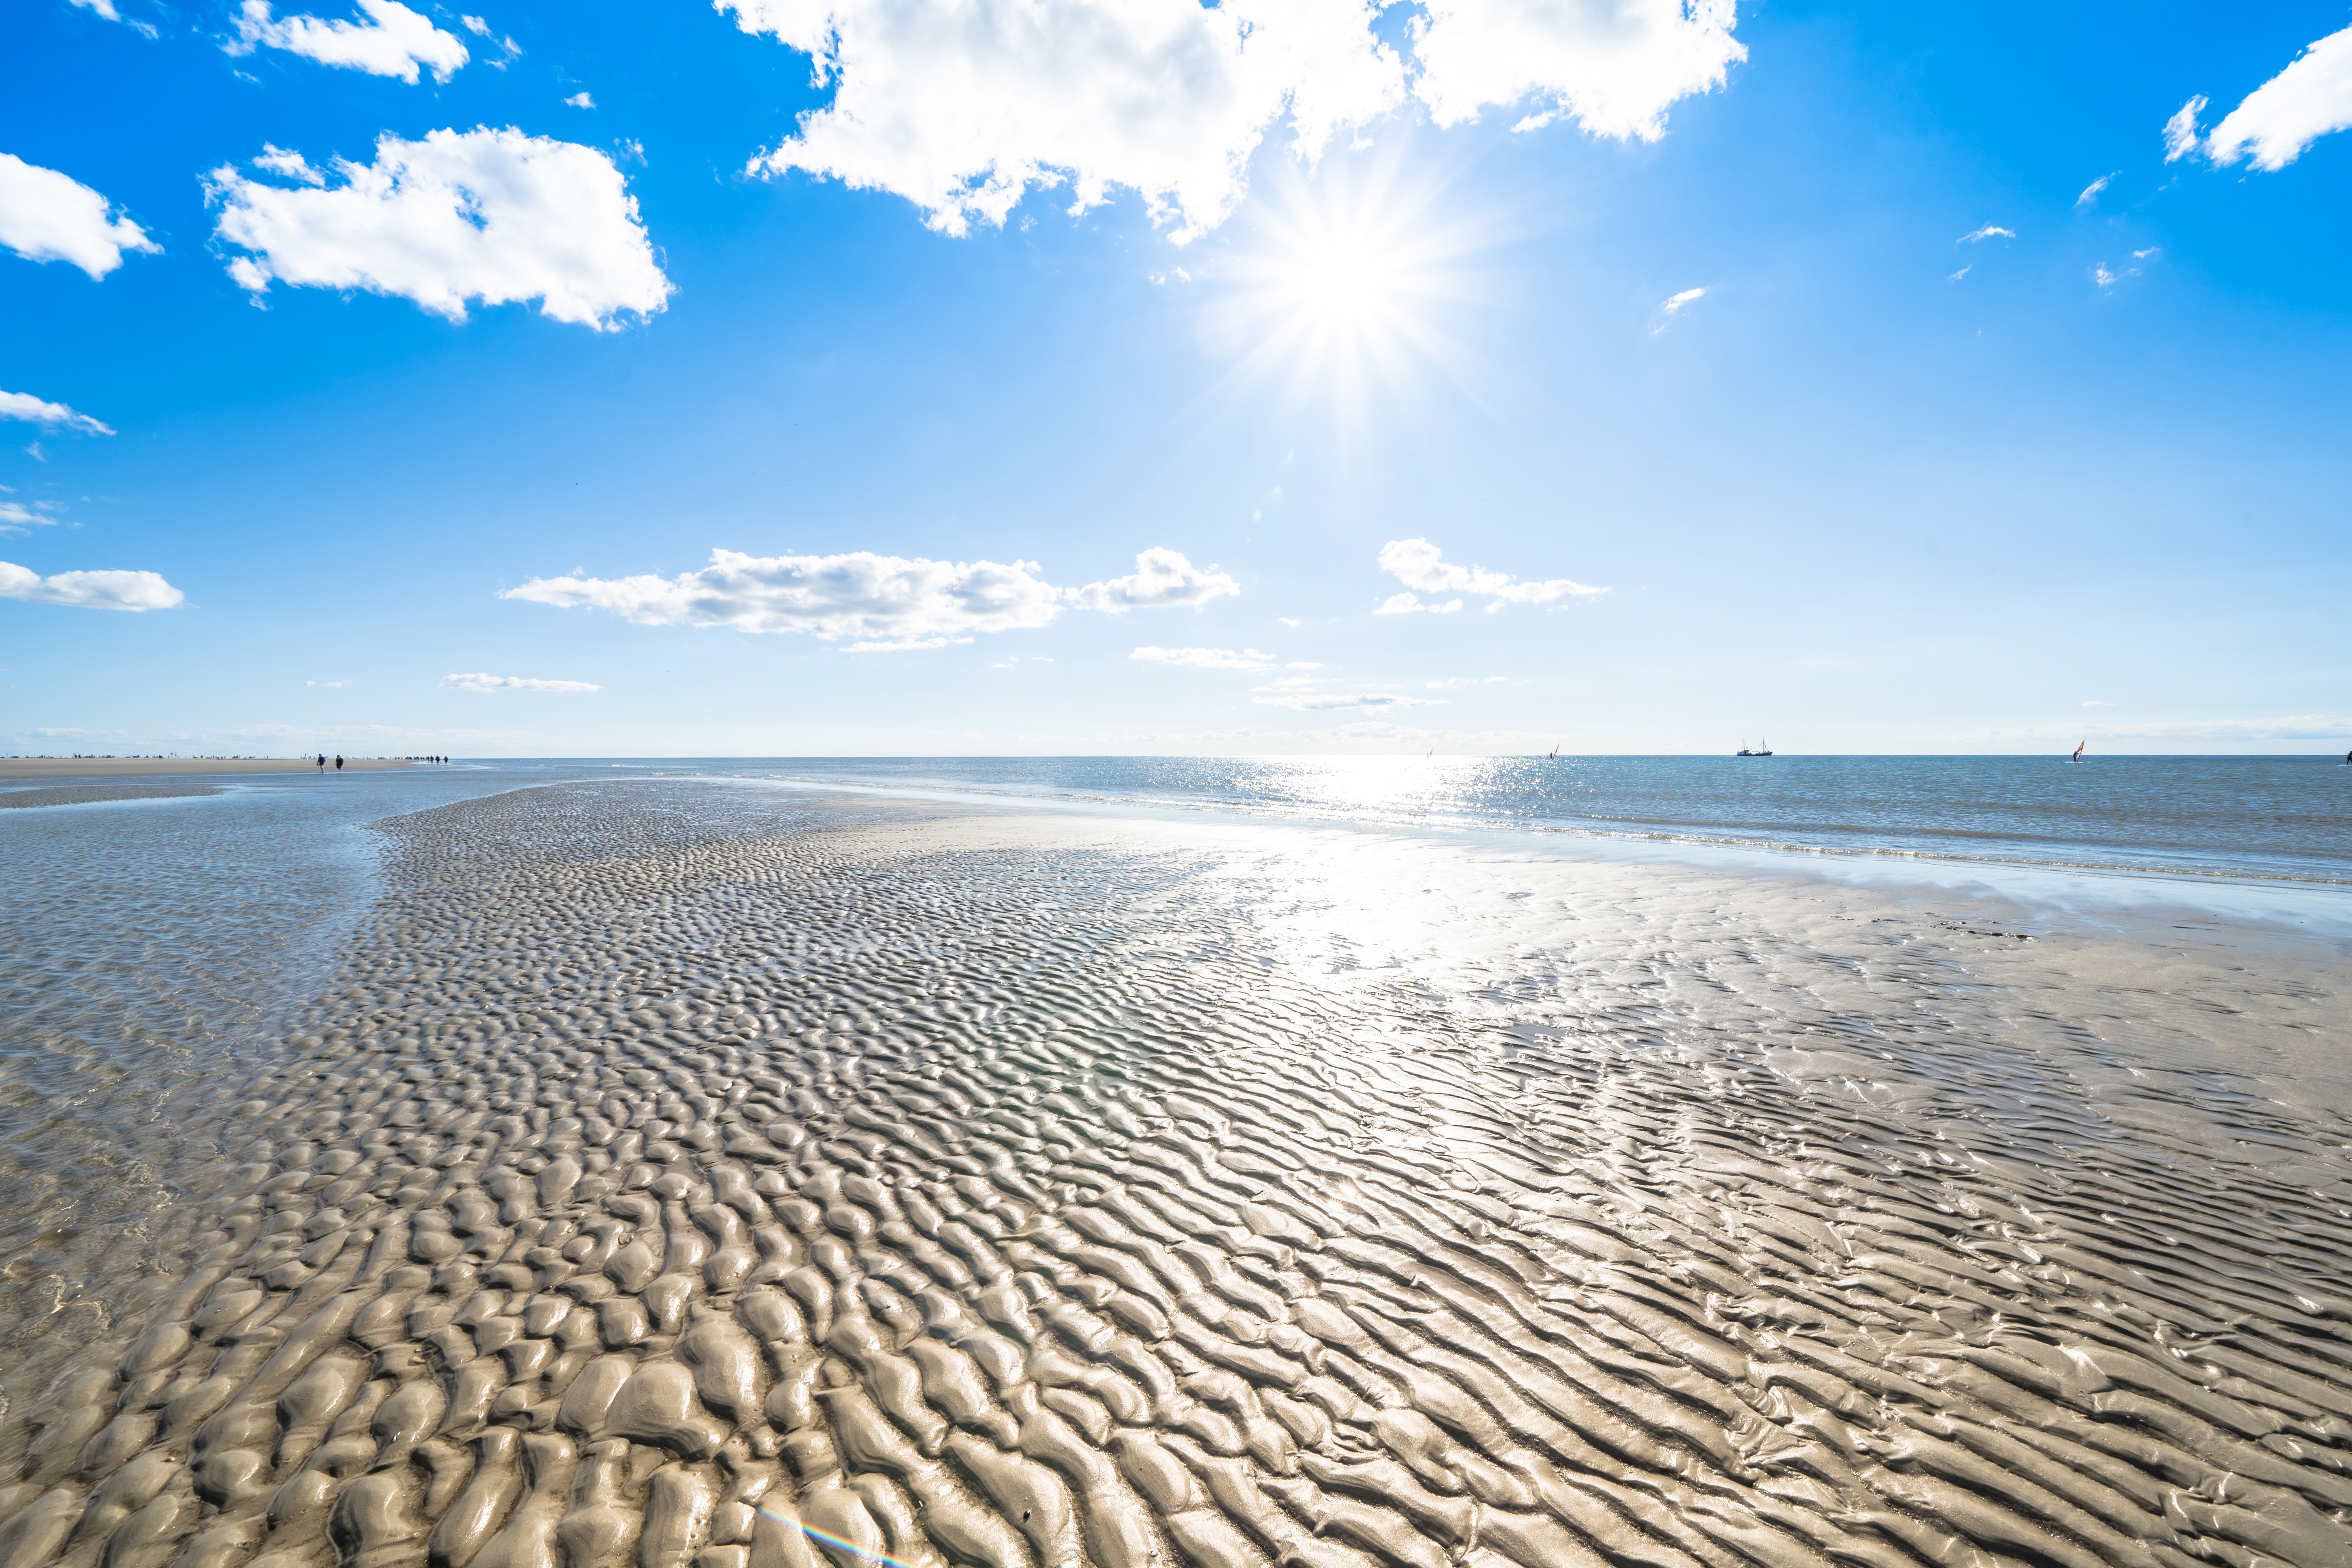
column 2287, row 819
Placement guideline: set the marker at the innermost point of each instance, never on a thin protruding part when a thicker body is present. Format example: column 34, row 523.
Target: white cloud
column 48, row 217
column 1247, row 658
column 1162, row 580
column 17, row 518
column 90, row 590
column 2099, row 704
column 579, row 100
column 292, row 165
column 1419, row 566
column 1989, row 231
column 2310, row 99
column 1344, row 702
column 506, row 683
column 329, row 685
column 493, row 216
column 887, row 602
column 1411, row 604
column 965, row 106
column 482, row 29
column 1963, row 272
column 1613, row 66
column 1286, row 621
column 2090, row 192
column 1456, row 681
column 393, row 41
column 2180, row 131
column 1673, row 306
column 55, row 415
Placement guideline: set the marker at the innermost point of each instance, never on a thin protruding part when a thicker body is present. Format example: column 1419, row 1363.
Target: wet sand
column 680, row 1176
column 166, row 767
column 94, row 793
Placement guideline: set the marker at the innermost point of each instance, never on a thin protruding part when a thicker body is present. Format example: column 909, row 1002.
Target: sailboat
column 1555, row 755
column 1763, row 749
column 2078, row 754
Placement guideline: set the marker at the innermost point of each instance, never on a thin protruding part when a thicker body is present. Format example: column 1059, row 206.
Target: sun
column 1340, row 276
column 1337, row 281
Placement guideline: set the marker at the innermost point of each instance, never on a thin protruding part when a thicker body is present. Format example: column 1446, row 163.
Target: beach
column 684, row 1175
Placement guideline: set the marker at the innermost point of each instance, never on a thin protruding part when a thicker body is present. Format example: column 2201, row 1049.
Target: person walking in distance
column 339, row 762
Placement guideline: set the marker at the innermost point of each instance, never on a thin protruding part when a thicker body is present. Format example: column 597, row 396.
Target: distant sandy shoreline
column 136, row 767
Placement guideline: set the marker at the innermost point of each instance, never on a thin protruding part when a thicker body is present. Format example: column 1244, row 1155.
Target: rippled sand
column 676, row 1177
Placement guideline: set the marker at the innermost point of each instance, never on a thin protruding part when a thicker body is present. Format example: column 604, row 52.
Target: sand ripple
column 649, row 1193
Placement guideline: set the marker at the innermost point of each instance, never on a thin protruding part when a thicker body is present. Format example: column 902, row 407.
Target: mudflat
column 166, row 767
column 674, row 1176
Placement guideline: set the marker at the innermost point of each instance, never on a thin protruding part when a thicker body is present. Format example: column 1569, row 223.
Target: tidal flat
column 685, row 1176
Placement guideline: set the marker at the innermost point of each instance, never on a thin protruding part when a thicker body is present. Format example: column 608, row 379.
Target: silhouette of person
column 322, row 762
column 339, row 762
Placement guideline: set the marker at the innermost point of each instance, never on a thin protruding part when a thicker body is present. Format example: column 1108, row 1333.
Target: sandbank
column 677, row 1175
column 138, row 767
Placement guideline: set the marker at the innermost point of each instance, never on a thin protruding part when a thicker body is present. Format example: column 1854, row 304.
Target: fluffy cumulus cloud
column 1162, row 580
column 24, row 405
column 393, row 41
column 1421, row 567
column 48, row 217
column 882, row 602
column 964, row 106
column 2311, row 99
column 90, row 590
column 501, row 683
column 483, row 214
column 1207, row 657
column 885, row 603
column 1613, row 66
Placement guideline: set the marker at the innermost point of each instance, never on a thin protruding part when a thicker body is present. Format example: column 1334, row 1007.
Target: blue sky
column 1799, row 331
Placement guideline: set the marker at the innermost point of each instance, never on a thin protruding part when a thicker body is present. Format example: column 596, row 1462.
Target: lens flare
column 824, row 1538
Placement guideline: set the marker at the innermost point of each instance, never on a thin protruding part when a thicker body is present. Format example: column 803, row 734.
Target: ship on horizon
column 1763, row 749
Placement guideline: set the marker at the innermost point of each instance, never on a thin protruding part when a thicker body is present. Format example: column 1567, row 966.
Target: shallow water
column 2286, row 817
column 151, row 935
column 675, row 1176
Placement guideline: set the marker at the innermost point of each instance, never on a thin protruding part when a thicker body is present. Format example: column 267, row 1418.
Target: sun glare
column 1336, row 282
column 1341, row 278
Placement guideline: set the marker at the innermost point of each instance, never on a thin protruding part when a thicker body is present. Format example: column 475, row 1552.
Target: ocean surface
column 2285, row 818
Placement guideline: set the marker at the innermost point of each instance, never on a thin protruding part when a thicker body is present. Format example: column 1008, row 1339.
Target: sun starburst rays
column 1334, row 290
